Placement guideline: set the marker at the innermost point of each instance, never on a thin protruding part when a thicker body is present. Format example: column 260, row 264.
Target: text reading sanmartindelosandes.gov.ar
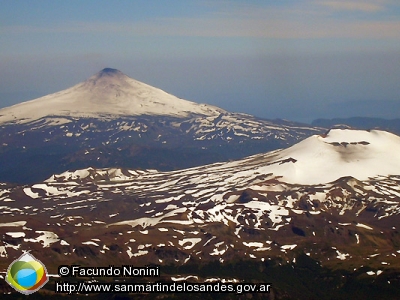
column 93, row 286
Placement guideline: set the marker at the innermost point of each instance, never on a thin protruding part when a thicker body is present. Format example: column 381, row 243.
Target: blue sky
column 297, row 60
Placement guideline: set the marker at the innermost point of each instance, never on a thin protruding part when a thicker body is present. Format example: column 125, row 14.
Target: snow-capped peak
column 109, row 92
column 339, row 153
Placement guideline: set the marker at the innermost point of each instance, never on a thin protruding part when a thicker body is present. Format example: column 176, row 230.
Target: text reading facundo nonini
column 110, row 271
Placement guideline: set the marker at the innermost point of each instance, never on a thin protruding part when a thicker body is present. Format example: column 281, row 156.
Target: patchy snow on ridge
column 13, row 224
column 364, row 226
column 16, row 234
column 46, row 237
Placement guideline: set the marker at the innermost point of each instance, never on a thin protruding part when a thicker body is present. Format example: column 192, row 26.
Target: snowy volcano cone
column 109, row 92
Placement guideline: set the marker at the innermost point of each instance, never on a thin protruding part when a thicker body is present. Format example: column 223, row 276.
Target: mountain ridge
column 212, row 222
column 364, row 123
column 319, row 159
column 220, row 212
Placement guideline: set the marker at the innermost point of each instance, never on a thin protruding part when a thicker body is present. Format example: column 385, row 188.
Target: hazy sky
column 297, row 60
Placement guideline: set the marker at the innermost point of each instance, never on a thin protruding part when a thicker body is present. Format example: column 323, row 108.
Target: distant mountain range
column 112, row 120
column 360, row 123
